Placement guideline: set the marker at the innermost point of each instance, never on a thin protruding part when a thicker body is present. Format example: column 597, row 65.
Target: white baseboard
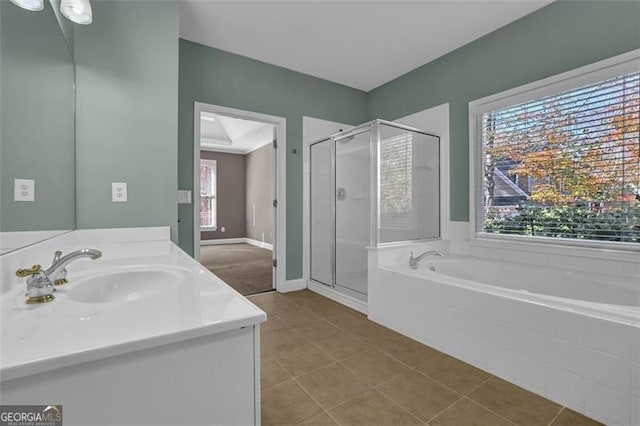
column 222, row 241
column 291, row 285
column 259, row 244
column 336, row 296
column 241, row 240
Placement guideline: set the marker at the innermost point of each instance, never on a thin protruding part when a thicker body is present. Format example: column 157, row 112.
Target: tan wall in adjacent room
column 260, row 193
column 231, row 194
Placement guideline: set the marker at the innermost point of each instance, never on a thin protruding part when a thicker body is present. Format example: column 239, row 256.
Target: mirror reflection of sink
column 127, row 285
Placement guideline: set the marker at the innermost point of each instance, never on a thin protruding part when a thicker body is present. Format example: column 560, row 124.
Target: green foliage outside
column 578, row 222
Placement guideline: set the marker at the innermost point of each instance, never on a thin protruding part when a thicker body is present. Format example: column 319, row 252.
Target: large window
column 208, row 194
column 564, row 164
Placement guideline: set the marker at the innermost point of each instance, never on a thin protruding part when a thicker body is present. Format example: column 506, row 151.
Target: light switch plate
column 119, row 192
column 24, row 190
column 184, row 196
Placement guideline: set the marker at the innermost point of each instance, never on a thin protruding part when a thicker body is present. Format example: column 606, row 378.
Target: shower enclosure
column 372, row 185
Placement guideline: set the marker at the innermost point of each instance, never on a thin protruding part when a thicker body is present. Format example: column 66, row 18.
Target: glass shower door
column 321, row 219
column 352, row 210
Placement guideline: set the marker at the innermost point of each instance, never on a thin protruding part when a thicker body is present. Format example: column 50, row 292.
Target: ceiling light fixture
column 33, row 5
column 78, row 11
column 207, row 118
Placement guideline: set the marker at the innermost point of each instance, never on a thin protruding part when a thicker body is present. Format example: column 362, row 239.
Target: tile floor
column 325, row 364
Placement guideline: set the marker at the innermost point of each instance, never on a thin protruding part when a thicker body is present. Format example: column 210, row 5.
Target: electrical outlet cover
column 184, row 196
column 119, row 192
column 24, row 190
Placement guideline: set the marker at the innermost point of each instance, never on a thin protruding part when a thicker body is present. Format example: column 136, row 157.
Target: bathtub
column 607, row 297
column 567, row 335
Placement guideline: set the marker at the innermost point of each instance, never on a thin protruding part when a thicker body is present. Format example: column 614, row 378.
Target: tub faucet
column 414, row 261
column 40, row 284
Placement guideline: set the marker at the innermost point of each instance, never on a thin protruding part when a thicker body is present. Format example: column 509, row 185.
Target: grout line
column 450, row 388
column 285, row 370
column 375, row 388
column 310, row 396
column 445, row 409
column 556, row 416
column 491, row 411
column 400, row 406
column 495, row 412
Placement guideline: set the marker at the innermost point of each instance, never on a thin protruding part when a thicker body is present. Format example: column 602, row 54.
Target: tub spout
column 415, row 261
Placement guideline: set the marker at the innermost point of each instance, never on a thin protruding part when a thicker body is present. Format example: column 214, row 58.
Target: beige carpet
column 244, row 267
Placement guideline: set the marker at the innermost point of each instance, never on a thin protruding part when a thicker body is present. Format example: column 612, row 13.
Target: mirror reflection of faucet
column 41, row 284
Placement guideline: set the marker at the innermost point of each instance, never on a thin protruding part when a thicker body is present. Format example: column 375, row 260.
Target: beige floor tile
column 278, row 340
column 271, row 324
column 303, row 297
column 403, row 396
column 371, row 408
column 341, row 345
column 322, row 419
column 315, row 328
column 467, row 413
column 514, row 403
column 271, row 373
column 302, row 358
column 332, row 385
column 344, row 318
column 418, row 394
column 373, row 333
column 279, row 306
column 287, row 403
column 374, row 366
column 266, row 298
column 408, row 350
column 296, row 315
column 570, row 418
column 457, row 375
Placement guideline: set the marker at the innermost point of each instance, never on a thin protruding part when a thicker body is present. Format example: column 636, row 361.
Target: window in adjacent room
column 208, row 206
column 562, row 161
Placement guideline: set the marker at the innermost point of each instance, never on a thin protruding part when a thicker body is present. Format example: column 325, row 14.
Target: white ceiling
column 361, row 44
column 228, row 134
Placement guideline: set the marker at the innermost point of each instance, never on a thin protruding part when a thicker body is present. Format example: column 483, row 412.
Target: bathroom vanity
column 142, row 335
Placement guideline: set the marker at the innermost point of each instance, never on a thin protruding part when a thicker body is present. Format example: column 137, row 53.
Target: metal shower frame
column 374, row 176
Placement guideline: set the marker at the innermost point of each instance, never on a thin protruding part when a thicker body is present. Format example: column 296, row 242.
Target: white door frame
column 280, row 216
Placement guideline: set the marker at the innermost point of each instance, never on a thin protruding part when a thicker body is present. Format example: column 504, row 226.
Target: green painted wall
column 66, row 25
column 127, row 110
column 554, row 39
column 216, row 77
column 37, row 127
column 557, row 38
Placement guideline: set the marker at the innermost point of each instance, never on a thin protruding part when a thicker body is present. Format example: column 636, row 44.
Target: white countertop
column 43, row 337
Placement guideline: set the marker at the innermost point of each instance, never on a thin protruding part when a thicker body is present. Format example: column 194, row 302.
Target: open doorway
column 236, row 195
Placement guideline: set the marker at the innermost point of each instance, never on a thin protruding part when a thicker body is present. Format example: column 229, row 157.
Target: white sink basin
column 127, row 285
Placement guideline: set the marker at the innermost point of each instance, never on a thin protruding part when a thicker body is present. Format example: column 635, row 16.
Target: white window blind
column 396, row 182
column 565, row 165
column 208, row 184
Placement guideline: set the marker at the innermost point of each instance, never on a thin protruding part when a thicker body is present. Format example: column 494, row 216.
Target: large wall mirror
column 37, row 126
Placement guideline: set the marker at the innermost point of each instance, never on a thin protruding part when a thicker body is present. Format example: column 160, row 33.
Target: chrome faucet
column 40, row 285
column 414, row 261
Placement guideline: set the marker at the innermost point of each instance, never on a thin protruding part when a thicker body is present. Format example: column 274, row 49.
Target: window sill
column 621, row 252
column 208, row 228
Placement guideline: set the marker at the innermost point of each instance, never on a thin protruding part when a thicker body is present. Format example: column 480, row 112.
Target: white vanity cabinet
column 210, row 380
column 181, row 352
